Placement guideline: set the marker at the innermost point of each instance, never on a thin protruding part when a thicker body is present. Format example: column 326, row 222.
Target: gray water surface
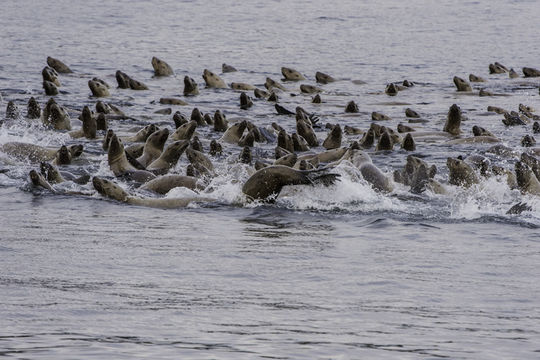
column 324, row 273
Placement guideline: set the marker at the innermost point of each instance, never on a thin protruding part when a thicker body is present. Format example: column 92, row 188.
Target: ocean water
column 339, row 272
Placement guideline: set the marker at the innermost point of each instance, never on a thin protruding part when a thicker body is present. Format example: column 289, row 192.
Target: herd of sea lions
column 147, row 158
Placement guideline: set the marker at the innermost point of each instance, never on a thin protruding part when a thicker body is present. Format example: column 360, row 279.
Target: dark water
column 331, row 273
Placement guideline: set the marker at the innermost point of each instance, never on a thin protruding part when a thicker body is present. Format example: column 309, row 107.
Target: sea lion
column 410, row 113
column 496, row 109
column 179, row 119
column 480, row 131
column 260, row 94
column 161, row 68
column 461, row 173
column 323, row 78
column 136, row 85
column 248, row 139
column 33, row 109
column 528, row 141
column 196, row 144
column 273, row 97
column 306, row 131
column 281, row 110
column 484, row 92
column 368, row 139
column 377, row 116
column 185, row 132
column 268, row 181
column 333, row 140
column 200, row 161
column 245, row 156
column 406, row 175
column 462, row 85
column 530, row 72
column 372, row 174
column 172, row 101
column 245, row 101
column 401, row 128
column 291, row 74
column 497, row 69
column 512, row 74
column 242, row 86
column 163, row 184
column 536, row 128
column 234, row 132
column 280, row 152
column 36, row 153
column 285, row 141
column 190, row 87
column 169, row 157
column 227, row 68
column 513, row 119
column 270, row 85
column 55, row 176
column 309, row 89
column 98, row 89
column 351, row 130
column 58, row 65
column 153, row 147
column 220, row 123
column 117, row 159
column 89, row 125
column 212, row 80
column 526, row 180
column 142, row 135
column 287, row 160
column 198, row 117
column 50, row 88
column 113, row 191
column 39, row 180
column 453, row 120
column 474, row 78
column 482, row 139
column 59, row 119
column 50, row 75
column 299, row 143
column 316, row 99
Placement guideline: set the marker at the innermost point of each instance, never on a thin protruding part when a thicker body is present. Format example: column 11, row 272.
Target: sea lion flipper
column 325, row 179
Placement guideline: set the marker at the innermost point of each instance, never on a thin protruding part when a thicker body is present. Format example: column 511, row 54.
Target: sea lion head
column 291, row 74
column 109, row 189
column 461, row 84
column 190, row 86
column 453, row 121
column 63, row 156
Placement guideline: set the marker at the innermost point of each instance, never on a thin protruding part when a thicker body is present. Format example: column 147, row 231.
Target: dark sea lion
column 281, row 110
column 59, row 118
column 215, row 148
column 89, row 125
column 528, row 141
column 530, row 72
column 453, row 120
column 287, row 160
column 137, row 85
column 461, row 84
column 208, row 119
column 245, row 156
column 185, row 132
column 248, row 139
column 161, row 68
column 163, row 184
column 401, row 128
column 368, row 139
column 269, row 181
column 12, row 110
column 245, row 101
column 200, row 162
column 179, row 119
column 212, row 80
column 39, row 180
column 55, row 176
column 190, row 86
column 273, row 97
column 196, row 144
column 461, row 173
column 410, row 113
column 58, row 65
column 50, row 88
column 536, row 128
column 285, row 141
column 309, row 89
column 513, row 119
column 98, row 89
column 391, row 89
column 408, row 143
column 480, row 131
column 351, row 107
column 242, row 86
column 385, row 142
column 113, row 191
column 33, row 109
column 316, row 99
column 333, row 140
column 122, row 79
column 227, row 68
column 220, row 123
column 474, row 78
column 323, row 78
column 291, row 74
column 484, row 92
column 116, row 157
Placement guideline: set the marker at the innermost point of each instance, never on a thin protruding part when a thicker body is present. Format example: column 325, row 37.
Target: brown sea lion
column 291, row 74
column 98, row 89
column 163, row 184
column 58, row 65
column 212, row 80
column 190, row 86
column 333, row 140
column 461, row 173
column 33, row 109
column 153, row 147
column 227, row 68
column 453, row 120
column 185, row 132
column 323, row 78
column 161, row 68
